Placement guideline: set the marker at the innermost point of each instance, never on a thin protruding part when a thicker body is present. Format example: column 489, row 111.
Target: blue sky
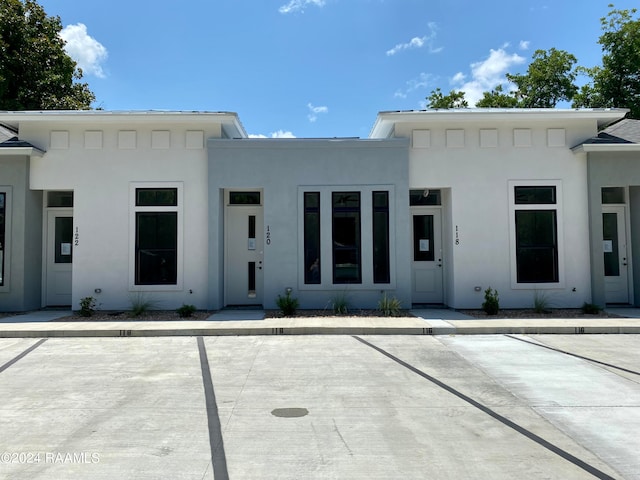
column 313, row 68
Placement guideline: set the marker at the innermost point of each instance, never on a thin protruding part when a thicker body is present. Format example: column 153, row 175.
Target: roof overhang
column 386, row 121
column 606, row 147
column 230, row 122
column 21, row 151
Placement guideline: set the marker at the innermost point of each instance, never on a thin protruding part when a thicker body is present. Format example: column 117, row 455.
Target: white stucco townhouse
column 433, row 208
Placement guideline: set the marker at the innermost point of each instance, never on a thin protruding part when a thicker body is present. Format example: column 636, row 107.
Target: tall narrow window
column 3, row 197
column 536, row 235
column 347, row 266
column 312, row 274
column 156, row 243
column 381, row 266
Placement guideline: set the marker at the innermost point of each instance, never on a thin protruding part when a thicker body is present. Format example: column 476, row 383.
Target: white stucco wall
column 101, row 174
column 477, row 173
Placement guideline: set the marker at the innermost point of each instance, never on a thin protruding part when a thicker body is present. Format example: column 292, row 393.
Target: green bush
column 87, row 306
column 389, row 306
column 340, row 304
column 141, row 304
column 287, row 304
column 591, row 308
column 186, row 310
column 540, row 302
column 491, row 304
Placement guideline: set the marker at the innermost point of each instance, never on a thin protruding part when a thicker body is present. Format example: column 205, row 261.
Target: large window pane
column 3, row 198
column 156, row 248
column 312, row 274
column 346, row 237
column 381, row 269
column 536, row 246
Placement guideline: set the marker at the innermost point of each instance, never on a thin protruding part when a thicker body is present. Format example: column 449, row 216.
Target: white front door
column 59, row 251
column 614, row 236
column 426, row 255
column 243, row 253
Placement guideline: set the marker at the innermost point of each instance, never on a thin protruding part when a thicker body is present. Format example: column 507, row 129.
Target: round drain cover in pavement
column 290, row 412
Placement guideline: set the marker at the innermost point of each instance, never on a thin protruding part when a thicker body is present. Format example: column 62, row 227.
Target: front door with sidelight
column 426, row 251
column 243, row 248
column 614, row 245
column 59, row 252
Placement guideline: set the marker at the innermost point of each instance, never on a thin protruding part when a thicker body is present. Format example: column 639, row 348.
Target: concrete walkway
column 246, row 322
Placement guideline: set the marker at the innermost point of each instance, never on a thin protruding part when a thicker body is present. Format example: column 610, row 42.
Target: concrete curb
column 322, row 326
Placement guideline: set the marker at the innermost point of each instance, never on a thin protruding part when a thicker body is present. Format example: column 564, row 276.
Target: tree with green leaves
column 455, row 99
column 35, row 71
column 497, row 98
column 617, row 82
column 550, row 79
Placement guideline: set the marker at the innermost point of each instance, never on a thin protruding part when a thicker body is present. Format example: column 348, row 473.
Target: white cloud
column 421, row 81
column 88, row 53
column 282, row 134
column 299, row 5
column 276, row 134
column 418, row 42
column 458, row 78
column 487, row 74
column 524, row 44
column 314, row 111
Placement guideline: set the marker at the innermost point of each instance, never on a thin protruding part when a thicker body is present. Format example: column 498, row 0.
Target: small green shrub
column 287, row 304
column 340, row 304
column 141, row 304
column 389, row 306
column 540, row 302
column 87, row 306
column 186, row 310
column 591, row 308
column 491, row 304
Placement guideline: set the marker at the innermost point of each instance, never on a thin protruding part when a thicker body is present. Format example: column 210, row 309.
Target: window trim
column 133, row 210
column 558, row 207
column 6, row 252
column 366, row 240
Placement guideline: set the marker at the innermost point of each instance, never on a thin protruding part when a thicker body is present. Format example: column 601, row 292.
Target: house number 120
column 268, row 236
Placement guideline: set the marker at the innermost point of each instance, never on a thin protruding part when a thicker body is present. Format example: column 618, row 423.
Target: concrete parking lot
column 319, row 407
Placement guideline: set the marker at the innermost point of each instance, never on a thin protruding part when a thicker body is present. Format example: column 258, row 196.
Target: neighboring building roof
column 231, row 125
column 621, row 136
column 385, row 122
column 10, row 144
column 6, row 133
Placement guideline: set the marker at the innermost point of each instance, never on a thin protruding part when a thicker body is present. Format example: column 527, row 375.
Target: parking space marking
column 505, row 421
column 216, row 443
column 573, row 354
column 23, row 354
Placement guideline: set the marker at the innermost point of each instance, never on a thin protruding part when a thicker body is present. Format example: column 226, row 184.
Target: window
column 612, row 195
column 381, row 266
column 59, row 199
column 156, row 236
column 312, row 274
column 346, row 237
column 425, row 197
column 3, row 198
column 244, row 198
column 536, row 234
